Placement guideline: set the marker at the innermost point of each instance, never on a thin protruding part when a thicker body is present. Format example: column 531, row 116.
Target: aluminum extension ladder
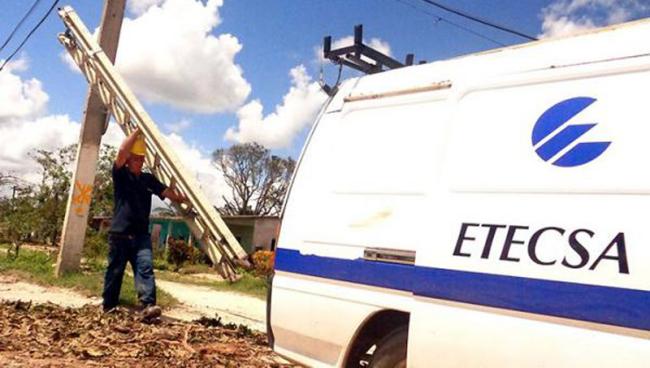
column 206, row 225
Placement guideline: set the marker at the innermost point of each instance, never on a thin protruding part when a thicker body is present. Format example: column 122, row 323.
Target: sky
column 219, row 72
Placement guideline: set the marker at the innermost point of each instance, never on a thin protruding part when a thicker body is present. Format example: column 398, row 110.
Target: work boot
column 151, row 312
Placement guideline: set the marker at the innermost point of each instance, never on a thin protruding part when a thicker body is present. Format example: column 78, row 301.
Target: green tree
column 102, row 200
column 52, row 192
column 258, row 180
column 18, row 217
column 36, row 212
column 96, row 244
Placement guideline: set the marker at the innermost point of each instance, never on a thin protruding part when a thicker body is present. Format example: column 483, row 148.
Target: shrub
column 96, row 245
column 190, row 269
column 263, row 261
column 160, row 264
column 159, row 252
column 198, row 257
column 178, row 252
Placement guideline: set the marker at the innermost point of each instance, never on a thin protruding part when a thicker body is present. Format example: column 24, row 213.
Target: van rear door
column 541, row 258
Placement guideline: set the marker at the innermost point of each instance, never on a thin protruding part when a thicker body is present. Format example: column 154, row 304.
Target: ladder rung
column 156, row 162
column 188, row 209
column 126, row 117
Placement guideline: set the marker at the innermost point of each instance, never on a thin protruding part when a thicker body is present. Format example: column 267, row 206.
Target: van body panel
column 520, row 186
column 464, row 335
column 302, row 314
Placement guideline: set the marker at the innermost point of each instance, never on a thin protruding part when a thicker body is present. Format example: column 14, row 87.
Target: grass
column 38, row 267
column 249, row 284
column 195, row 268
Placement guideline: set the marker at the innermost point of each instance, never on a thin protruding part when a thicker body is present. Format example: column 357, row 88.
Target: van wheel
column 391, row 350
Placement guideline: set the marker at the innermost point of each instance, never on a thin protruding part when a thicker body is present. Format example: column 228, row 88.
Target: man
column 129, row 239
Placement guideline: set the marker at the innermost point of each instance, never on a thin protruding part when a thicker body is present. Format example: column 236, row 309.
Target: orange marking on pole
column 82, row 196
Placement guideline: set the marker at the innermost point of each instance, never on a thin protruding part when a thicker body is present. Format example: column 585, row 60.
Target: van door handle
column 389, row 255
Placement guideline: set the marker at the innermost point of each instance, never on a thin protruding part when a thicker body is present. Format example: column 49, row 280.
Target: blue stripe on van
column 600, row 304
column 360, row 271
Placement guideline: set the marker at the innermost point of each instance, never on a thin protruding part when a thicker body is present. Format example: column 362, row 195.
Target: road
column 203, row 301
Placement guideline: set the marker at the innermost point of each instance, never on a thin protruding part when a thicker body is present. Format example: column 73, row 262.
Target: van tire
column 391, row 350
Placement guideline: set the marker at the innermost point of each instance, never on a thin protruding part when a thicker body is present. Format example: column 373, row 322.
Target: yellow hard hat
column 139, row 148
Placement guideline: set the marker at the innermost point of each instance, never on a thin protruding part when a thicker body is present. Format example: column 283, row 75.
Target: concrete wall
column 255, row 232
column 266, row 233
column 244, row 235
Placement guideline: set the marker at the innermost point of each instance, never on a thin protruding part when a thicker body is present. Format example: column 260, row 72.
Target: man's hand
column 125, row 149
column 175, row 196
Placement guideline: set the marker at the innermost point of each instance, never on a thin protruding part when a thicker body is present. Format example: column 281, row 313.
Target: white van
column 492, row 210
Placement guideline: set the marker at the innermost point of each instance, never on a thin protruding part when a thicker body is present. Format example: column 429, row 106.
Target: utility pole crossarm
column 204, row 221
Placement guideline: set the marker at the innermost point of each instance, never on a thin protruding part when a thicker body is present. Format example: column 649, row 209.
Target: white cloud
column 140, row 6
column 20, row 98
column 67, row 60
column 168, row 55
column 113, row 136
column 210, row 179
column 565, row 17
column 20, row 137
column 298, row 110
column 24, row 129
column 178, row 126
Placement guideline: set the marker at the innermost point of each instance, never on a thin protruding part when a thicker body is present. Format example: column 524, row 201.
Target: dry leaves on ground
column 52, row 336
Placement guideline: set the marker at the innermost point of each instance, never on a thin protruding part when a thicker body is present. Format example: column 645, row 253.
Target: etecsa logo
column 548, row 140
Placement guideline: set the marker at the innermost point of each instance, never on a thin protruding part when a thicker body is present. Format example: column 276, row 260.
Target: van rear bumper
column 269, row 292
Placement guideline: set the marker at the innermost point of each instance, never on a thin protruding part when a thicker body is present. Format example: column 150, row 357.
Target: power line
column 472, row 32
column 29, row 34
column 479, row 20
column 13, row 32
column 438, row 18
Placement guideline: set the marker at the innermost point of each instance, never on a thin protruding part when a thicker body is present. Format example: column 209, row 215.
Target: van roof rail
column 373, row 61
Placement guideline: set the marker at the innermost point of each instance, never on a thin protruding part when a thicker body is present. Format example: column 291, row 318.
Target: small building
column 252, row 232
column 162, row 228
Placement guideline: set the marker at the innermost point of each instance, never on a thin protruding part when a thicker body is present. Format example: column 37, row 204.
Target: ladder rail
column 127, row 125
column 202, row 217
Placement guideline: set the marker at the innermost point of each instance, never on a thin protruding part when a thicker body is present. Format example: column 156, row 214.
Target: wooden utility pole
column 92, row 129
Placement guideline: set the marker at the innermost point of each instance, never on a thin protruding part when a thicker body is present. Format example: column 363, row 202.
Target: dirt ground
column 11, row 289
column 201, row 301
column 196, row 301
column 47, row 335
column 55, row 327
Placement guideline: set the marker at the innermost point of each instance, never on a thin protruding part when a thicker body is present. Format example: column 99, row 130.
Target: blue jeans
column 137, row 251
